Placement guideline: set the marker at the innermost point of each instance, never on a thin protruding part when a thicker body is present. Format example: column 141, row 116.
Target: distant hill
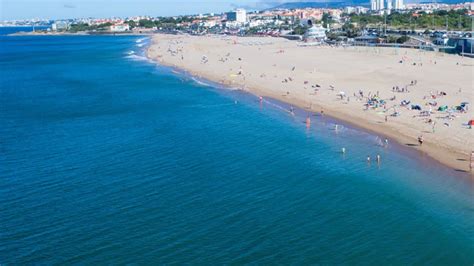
column 342, row 3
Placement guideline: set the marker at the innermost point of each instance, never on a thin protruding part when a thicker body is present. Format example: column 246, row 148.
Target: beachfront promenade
column 400, row 93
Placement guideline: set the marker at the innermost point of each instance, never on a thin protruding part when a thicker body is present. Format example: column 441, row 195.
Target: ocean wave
column 140, row 44
column 140, row 40
column 130, row 52
column 135, row 57
column 200, row 82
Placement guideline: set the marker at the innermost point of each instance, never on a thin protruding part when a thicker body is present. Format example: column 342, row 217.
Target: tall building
column 380, row 4
column 373, row 5
column 377, row 5
column 238, row 15
column 399, row 4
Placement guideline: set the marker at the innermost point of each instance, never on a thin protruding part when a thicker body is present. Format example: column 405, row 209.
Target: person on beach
column 420, row 140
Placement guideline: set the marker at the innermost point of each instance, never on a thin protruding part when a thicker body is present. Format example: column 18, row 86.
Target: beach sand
column 313, row 78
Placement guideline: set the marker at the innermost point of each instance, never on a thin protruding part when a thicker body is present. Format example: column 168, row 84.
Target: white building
column 380, row 4
column 373, row 5
column 210, row 23
column 361, row 10
column 119, row 27
column 239, row 15
column 355, row 9
column 399, row 4
column 233, row 24
column 60, row 25
column 349, row 9
column 315, row 33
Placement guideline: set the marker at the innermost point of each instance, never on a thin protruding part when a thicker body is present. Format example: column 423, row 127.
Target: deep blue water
column 108, row 158
column 10, row 30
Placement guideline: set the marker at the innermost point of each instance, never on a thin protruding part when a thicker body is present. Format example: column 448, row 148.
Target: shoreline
column 444, row 154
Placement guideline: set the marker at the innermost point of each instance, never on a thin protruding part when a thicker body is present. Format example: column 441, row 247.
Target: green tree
column 131, row 23
column 146, row 23
column 326, row 19
column 300, row 30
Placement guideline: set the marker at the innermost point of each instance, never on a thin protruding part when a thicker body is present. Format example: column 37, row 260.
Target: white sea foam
column 135, row 57
column 201, row 82
column 276, row 106
column 140, row 40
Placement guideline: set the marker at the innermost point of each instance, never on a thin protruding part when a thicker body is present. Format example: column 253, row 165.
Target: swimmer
column 343, row 150
column 378, row 158
column 368, row 159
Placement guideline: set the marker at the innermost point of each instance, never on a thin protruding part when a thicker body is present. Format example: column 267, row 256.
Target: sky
column 58, row 9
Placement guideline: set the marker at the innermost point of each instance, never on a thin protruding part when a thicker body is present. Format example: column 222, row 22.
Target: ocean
column 106, row 157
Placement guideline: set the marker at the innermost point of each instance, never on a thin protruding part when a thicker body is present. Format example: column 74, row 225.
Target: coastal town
column 429, row 26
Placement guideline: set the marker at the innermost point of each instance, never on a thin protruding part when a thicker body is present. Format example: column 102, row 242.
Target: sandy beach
column 401, row 94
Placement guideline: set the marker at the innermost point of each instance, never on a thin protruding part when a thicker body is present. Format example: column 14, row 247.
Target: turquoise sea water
column 107, row 158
